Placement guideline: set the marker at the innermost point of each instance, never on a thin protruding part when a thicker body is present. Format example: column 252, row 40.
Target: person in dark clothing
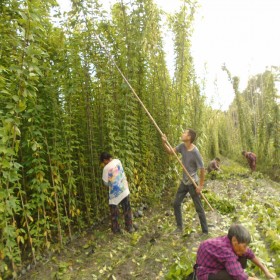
column 213, row 168
column 214, row 165
column 192, row 161
column 251, row 158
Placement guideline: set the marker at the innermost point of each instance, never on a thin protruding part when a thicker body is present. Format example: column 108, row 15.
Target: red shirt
column 251, row 157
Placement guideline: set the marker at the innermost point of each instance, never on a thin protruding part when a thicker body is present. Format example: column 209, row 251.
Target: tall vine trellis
column 61, row 104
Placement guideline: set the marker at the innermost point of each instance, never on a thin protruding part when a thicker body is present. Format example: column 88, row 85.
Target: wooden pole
column 151, row 118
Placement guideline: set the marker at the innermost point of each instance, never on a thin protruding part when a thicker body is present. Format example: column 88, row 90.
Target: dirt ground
column 149, row 252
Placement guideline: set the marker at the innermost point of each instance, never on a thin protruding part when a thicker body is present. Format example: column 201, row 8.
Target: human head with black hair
column 192, row 134
column 240, row 238
column 189, row 135
column 105, row 157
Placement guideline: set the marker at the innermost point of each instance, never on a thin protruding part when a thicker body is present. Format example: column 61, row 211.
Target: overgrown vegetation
column 153, row 252
column 255, row 117
column 62, row 102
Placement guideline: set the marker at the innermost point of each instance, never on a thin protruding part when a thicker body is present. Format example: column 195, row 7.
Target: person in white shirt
column 115, row 179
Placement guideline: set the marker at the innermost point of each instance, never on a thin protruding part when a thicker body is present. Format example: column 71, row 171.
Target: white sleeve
column 105, row 175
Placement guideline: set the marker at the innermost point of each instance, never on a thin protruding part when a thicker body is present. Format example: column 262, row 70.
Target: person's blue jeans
column 180, row 195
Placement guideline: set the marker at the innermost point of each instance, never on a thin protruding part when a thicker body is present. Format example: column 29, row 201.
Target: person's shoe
column 178, row 231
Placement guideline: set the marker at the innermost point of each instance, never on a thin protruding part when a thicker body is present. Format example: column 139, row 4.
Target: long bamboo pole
column 152, row 119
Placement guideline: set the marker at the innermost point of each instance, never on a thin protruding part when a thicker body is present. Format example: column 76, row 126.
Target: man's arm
column 168, row 149
column 216, row 166
column 235, row 270
column 201, row 180
column 258, row 263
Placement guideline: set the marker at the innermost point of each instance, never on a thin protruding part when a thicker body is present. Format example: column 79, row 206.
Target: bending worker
column 224, row 258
